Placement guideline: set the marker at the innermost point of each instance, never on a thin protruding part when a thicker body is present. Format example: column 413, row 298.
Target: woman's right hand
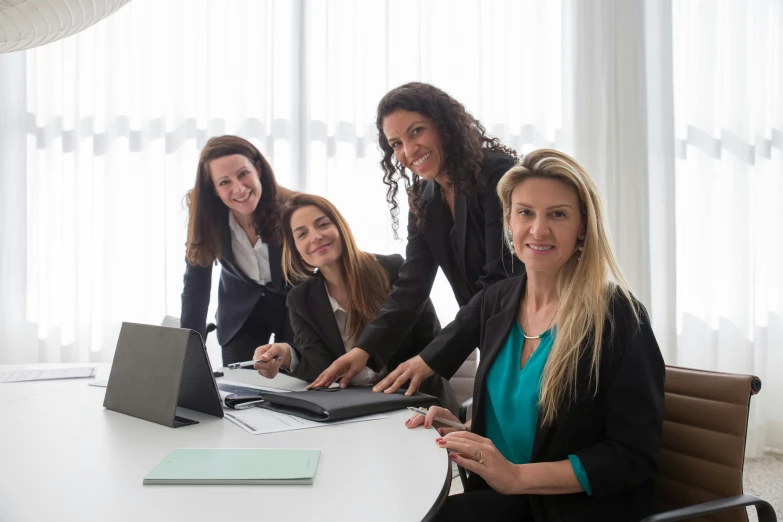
column 266, row 363
column 414, row 370
column 433, row 411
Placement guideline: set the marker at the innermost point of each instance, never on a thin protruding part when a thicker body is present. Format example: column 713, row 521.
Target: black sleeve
column 457, row 341
column 384, row 335
column 197, row 285
column 498, row 263
column 632, row 406
column 314, row 355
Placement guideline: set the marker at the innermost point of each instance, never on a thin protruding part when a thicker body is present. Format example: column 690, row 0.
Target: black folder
column 333, row 404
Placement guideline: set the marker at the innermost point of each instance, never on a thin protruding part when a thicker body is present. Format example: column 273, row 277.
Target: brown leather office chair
column 703, row 448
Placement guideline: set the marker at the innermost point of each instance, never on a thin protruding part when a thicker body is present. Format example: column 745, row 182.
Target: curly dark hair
column 207, row 213
column 463, row 139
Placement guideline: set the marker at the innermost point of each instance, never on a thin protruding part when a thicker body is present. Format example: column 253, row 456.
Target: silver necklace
column 532, row 337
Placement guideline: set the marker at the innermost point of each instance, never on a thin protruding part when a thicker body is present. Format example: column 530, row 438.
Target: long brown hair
column 208, row 214
column 366, row 280
column 583, row 286
column 463, row 139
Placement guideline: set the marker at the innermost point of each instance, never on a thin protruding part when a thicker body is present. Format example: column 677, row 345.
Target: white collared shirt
column 366, row 376
column 252, row 260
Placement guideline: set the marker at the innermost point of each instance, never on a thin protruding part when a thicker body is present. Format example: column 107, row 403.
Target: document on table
column 257, row 421
column 31, row 374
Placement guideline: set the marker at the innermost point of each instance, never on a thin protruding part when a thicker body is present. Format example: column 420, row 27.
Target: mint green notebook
column 236, row 466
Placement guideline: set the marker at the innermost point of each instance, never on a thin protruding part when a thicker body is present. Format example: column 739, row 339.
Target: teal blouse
column 512, row 401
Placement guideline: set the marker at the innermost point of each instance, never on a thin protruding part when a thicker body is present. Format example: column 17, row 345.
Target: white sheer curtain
column 728, row 95
column 106, row 128
column 674, row 105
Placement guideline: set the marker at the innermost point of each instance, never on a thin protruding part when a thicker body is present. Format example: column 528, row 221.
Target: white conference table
column 65, row 457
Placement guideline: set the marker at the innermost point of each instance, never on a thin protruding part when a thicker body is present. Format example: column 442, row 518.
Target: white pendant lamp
column 25, row 24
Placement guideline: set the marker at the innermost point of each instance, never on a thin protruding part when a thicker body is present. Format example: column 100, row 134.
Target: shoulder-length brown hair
column 365, row 278
column 208, row 214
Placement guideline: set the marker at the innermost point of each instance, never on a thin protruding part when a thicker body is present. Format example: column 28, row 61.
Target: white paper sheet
column 258, row 421
column 30, row 374
column 222, row 382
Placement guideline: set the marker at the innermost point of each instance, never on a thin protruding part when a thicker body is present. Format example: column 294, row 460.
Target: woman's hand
column 344, row 368
column 266, row 363
column 478, row 455
column 429, row 420
column 414, row 370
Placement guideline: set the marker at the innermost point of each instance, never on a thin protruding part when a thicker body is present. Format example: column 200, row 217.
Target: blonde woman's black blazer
column 616, row 432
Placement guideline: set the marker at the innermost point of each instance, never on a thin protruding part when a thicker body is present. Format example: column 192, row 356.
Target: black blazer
column 317, row 339
column 237, row 295
column 616, row 434
column 481, row 259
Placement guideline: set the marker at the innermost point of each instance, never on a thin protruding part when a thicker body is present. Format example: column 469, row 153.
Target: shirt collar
column 234, row 225
column 335, row 305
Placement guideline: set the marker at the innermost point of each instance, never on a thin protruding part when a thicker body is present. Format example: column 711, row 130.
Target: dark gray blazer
column 237, row 295
column 616, row 432
column 318, row 343
column 481, row 258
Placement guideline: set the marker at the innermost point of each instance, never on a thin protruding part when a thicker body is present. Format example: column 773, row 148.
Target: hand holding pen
column 435, row 414
column 268, row 359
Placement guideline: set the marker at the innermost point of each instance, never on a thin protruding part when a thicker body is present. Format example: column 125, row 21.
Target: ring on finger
column 479, row 456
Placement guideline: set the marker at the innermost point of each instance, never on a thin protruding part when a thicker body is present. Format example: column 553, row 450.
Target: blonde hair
column 583, row 284
column 366, row 280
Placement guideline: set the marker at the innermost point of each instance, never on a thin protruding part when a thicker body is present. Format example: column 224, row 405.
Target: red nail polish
column 440, row 431
column 426, row 424
column 441, row 442
column 453, row 456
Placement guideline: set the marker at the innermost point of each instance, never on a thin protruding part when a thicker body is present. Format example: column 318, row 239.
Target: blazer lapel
column 226, row 251
column 323, row 317
column 498, row 327
column 496, row 333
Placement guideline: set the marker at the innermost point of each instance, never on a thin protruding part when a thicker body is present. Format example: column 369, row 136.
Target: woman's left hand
column 477, row 454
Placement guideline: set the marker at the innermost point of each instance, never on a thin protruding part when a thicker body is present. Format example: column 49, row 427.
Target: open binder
column 333, row 404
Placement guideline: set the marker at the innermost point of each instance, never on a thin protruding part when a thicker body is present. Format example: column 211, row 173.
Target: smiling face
column 416, row 143
column 316, row 237
column 545, row 223
column 236, row 182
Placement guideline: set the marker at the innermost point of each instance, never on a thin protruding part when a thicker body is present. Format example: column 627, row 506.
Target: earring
column 581, row 237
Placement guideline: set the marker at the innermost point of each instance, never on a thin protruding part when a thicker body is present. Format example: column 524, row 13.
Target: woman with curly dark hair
column 234, row 218
column 455, row 221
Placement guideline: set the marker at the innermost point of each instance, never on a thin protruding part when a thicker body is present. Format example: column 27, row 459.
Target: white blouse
column 252, row 260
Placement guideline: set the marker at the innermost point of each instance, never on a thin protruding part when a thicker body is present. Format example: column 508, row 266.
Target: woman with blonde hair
column 340, row 290
column 568, row 398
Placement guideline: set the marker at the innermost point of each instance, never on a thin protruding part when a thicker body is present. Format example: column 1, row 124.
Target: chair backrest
column 703, row 446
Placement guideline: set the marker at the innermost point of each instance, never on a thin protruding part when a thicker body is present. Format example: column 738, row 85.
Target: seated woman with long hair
column 568, row 399
column 341, row 290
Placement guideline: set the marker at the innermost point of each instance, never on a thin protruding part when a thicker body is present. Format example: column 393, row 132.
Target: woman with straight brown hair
column 234, row 218
column 341, row 290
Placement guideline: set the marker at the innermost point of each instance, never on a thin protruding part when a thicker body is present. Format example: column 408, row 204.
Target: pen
column 249, row 364
column 447, row 422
